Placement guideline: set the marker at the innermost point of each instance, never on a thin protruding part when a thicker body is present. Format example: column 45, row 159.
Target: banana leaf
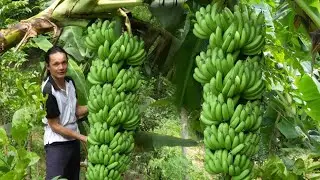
column 147, row 141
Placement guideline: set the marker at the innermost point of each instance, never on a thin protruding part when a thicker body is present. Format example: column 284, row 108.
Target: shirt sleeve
column 52, row 108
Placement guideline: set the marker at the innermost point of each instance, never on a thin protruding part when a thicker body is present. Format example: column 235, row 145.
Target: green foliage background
column 290, row 132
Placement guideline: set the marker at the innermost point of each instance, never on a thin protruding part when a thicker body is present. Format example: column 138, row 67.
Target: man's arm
column 58, row 128
column 81, row 111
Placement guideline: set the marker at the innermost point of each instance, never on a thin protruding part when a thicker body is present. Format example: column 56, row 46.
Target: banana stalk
column 302, row 4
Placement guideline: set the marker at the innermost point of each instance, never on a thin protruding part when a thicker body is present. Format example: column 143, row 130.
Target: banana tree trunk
column 59, row 14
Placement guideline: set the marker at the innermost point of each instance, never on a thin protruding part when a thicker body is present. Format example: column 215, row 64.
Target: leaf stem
column 274, row 133
column 304, row 6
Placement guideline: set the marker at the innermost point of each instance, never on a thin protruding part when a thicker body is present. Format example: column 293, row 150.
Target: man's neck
column 60, row 82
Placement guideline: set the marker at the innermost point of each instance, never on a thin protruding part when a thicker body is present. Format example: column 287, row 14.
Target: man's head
column 56, row 62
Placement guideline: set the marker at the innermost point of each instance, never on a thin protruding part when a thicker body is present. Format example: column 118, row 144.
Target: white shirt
column 61, row 104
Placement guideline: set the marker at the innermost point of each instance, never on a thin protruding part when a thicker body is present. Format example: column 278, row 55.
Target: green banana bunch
column 133, row 119
column 102, row 72
column 100, row 116
column 216, row 110
column 98, row 33
column 226, row 137
column 246, row 117
column 122, row 143
column 221, row 161
column 126, row 47
column 210, row 62
column 112, row 103
column 101, row 133
column 127, row 80
column 101, row 172
column 111, row 97
column 102, row 39
column 104, row 155
column 122, row 113
column 242, row 30
column 206, row 21
column 135, row 52
column 230, row 86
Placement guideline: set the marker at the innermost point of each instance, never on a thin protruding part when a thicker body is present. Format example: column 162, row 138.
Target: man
column 61, row 136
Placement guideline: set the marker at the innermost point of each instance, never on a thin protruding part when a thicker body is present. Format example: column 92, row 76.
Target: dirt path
column 194, row 154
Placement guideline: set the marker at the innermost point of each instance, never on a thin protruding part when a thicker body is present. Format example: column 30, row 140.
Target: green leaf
column 147, row 141
column 313, row 109
column 313, row 176
column 315, row 3
column 185, row 63
column 74, row 52
column 20, row 127
column 31, row 157
column 74, row 44
column 4, row 169
column 3, row 137
column 9, row 175
column 309, row 88
column 42, row 42
column 75, row 72
column 299, row 166
column 313, row 166
column 289, row 129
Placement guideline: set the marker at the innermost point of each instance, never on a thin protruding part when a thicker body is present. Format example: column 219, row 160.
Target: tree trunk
column 61, row 13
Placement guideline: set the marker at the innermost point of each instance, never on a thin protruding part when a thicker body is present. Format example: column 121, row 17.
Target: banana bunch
column 100, row 116
column 111, row 97
column 113, row 110
column 126, row 47
column 256, row 84
column 233, row 140
column 127, row 80
column 122, row 143
column 208, row 18
column 102, row 72
column 216, row 109
column 101, row 172
column 244, row 78
column 230, row 86
column 123, row 113
column 246, row 117
column 101, row 133
column 133, row 47
column 98, row 33
column 210, row 62
column 221, row 161
column 104, row 155
column 100, row 99
column 102, row 39
column 95, row 104
column 241, row 30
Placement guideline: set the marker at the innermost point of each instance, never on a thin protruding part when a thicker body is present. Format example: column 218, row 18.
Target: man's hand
column 83, row 138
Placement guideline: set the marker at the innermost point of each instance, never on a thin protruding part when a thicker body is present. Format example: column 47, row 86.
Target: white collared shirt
column 61, row 104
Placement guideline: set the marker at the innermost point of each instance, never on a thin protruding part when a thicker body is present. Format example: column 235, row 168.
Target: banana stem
column 302, row 4
column 120, row 3
column 167, row 3
column 126, row 21
column 73, row 22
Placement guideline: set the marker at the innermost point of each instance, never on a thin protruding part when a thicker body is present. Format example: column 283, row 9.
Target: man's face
column 58, row 65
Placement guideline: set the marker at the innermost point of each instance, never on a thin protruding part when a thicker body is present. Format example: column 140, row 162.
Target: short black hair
column 52, row 50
